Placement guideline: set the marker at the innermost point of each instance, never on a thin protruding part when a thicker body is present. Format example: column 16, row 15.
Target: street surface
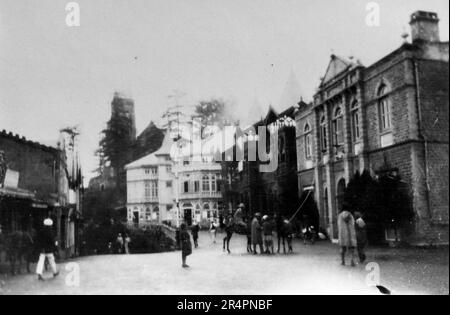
column 310, row 270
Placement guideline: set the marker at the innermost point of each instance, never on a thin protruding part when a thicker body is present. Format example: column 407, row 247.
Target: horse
column 19, row 246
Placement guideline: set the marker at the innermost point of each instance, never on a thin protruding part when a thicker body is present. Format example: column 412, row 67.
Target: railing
column 202, row 194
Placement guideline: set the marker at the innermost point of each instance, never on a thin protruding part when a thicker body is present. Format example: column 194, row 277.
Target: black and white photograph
column 224, row 152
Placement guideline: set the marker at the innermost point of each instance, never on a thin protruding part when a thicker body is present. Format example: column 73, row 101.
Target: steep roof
column 152, row 159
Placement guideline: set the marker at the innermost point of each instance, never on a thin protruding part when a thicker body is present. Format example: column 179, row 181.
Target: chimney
column 424, row 26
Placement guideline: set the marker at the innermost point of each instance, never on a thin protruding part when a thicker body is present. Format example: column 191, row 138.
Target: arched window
column 384, row 109
column 338, row 127
column 308, row 142
column 323, row 134
column 356, row 121
column 205, row 183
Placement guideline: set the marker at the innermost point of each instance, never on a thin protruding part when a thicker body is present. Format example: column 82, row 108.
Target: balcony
column 201, row 195
column 143, row 200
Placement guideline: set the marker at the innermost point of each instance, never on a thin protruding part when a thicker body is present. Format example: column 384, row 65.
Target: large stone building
column 389, row 117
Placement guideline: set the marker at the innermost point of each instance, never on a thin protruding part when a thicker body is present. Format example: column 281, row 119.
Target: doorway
column 188, row 216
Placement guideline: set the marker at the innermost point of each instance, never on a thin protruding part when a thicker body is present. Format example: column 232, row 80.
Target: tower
column 122, row 105
column 425, row 26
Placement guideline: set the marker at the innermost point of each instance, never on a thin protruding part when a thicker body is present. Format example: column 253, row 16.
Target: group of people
column 122, row 244
column 262, row 230
column 352, row 235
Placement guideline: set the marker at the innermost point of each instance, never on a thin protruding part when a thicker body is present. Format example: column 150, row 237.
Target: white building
column 150, row 189
column 176, row 172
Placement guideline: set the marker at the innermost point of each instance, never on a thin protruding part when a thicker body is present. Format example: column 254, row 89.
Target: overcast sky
column 52, row 76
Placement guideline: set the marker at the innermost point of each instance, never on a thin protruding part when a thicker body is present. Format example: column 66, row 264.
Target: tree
column 116, row 147
column 383, row 200
column 213, row 114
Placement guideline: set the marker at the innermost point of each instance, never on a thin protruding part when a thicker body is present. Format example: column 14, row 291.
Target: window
column 384, row 110
column 186, row 187
column 196, row 186
column 205, row 183
column 151, row 171
column 338, row 127
column 148, row 190
column 169, row 184
column 308, row 142
column 323, row 133
column 169, row 169
column 155, row 189
column 213, row 183
column 356, row 122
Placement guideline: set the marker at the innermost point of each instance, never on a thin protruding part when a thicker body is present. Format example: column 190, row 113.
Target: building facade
column 35, row 186
column 171, row 186
column 243, row 181
column 150, row 192
column 389, row 117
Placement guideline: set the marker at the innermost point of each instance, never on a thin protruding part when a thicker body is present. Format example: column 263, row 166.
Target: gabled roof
column 152, row 159
column 337, row 66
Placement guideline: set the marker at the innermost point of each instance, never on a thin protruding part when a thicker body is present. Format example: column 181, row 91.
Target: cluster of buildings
column 39, row 181
column 390, row 118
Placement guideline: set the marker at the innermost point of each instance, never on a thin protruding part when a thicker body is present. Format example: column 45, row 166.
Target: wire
column 301, row 206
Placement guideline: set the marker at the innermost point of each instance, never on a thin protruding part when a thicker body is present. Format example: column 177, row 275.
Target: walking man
column 229, row 231
column 47, row 247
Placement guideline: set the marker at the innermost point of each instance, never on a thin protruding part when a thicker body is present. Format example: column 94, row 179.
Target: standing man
column 195, row 231
column 347, row 235
column 257, row 234
column 281, row 235
column 186, row 246
column 268, row 237
column 361, row 236
column 47, row 247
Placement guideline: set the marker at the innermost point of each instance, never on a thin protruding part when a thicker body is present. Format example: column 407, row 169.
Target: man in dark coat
column 186, row 246
column 47, row 248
